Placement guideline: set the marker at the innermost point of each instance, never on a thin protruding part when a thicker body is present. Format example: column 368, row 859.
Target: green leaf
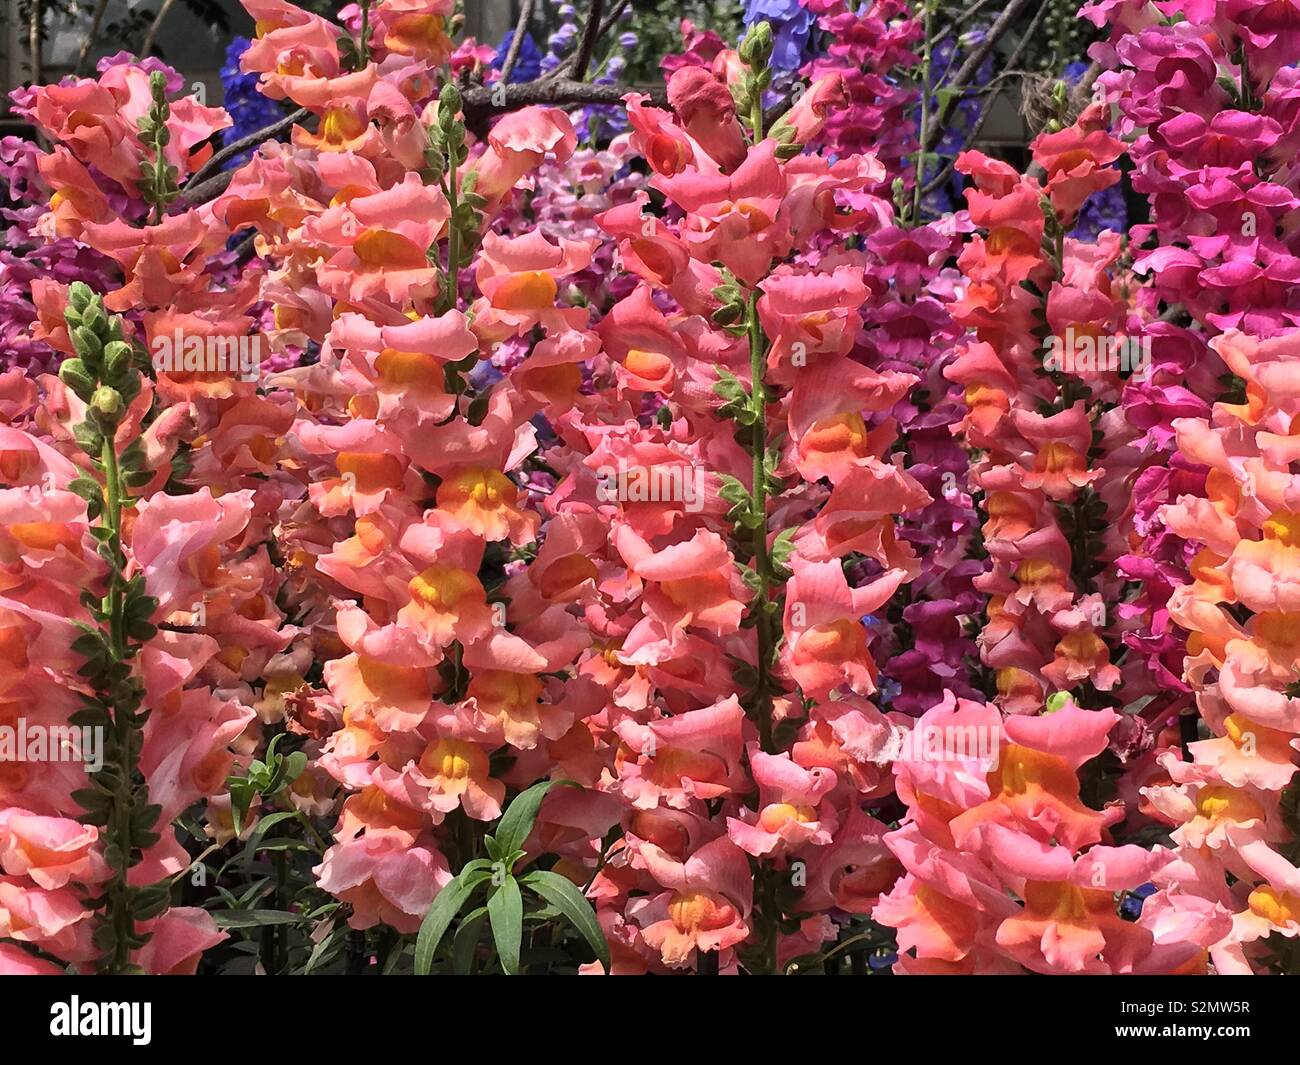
column 733, row 491
column 150, row 901
column 728, row 386
column 783, row 548
column 88, row 644
column 294, row 764
column 254, row 918
column 318, row 952
column 506, row 914
column 444, row 909
column 466, row 940
column 241, row 797
column 945, row 97
column 565, row 897
column 517, row 822
column 266, row 823
column 88, row 489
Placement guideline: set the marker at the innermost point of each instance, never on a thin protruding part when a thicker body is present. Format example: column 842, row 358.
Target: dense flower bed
column 668, row 536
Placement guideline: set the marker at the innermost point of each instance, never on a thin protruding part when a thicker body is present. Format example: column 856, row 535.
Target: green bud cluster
column 106, row 374
column 731, row 314
column 157, row 183
column 756, row 54
column 446, row 135
column 444, row 155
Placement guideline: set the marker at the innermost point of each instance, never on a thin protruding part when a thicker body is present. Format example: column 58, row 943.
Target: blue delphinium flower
column 1131, row 906
column 1074, row 71
column 249, row 109
column 559, row 43
column 888, row 689
column 528, row 63
column 791, row 24
column 945, row 57
column 596, row 122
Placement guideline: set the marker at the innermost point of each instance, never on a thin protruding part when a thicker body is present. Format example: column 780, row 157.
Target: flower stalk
column 106, row 376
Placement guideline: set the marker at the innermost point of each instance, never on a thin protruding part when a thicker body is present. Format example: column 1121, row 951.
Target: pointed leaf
column 517, row 822
column 446, row 905
column 465, row 941
column 565, row 897
column 506, row 913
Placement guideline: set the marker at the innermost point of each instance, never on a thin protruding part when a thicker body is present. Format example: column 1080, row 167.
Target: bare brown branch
column 267, row 133
column 971, row 66
column 586, row 46
column 516, row 42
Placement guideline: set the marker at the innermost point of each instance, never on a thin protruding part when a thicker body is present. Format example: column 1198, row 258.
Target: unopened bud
column 73, row 374
column 80, row 296
column 106, row 403
column 449, row 101
column 117, row 358
column 756, row 48
column 86, row 342
column 1058, row 701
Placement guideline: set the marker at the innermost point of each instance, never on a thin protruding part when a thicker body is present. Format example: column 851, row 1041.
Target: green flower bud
column 449, row 102
column 80, row 296
column 783, row 132
column 742, row 92
column 106, row 404
column 756, row 48
column 94, row 318
column 117, row 358
column 728, row 314
column 1058, row 701
column 87, row 343
column 73, row 374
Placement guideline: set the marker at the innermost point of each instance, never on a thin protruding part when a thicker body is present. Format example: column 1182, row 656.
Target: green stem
column 924, row 132
column 1248, row 101
column 451, row 298
column 160, row 184
column 119, row 908
column 311, row 830
column 453, row 247
column 113, row 519
column 770, row 910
